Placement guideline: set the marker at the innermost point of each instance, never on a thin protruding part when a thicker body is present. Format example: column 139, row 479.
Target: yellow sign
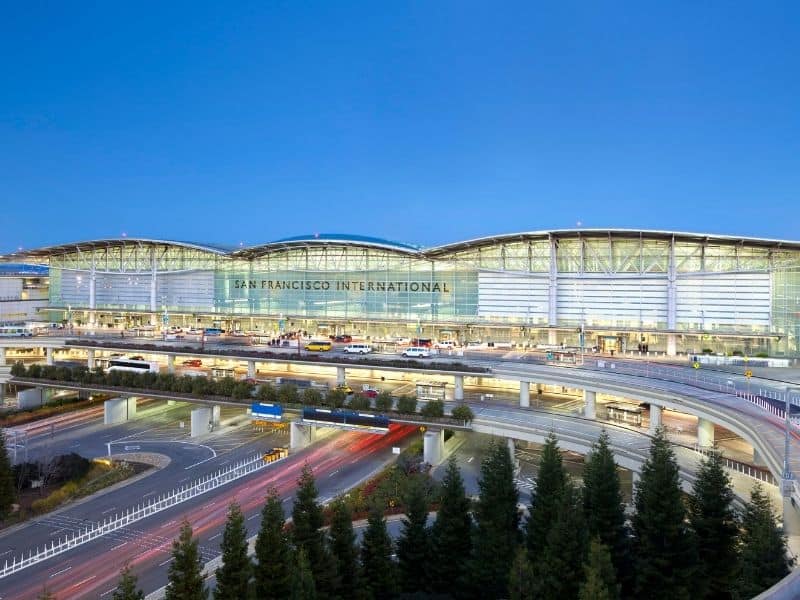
column 422, row 428
column 748, row 373
column 696, row 365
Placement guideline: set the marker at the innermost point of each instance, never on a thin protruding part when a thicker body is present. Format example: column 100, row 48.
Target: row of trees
column 575, row 543
column 228, row 387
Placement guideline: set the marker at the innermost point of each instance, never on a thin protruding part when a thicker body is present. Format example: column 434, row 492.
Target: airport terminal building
column 614, row 289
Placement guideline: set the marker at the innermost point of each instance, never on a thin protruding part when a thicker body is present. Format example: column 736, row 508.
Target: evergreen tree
column 233, row 577
column 450, row 534
column 520, row 580
column 713, row 520
column 601, row 579
column 343, row 549
column 377, row 567
column 413, row 546
column 497, row 524
column 185, row 571
column 274, row 560
column 307, row 534
column 45, row 594
column 7, row 488
column 764, row 560
column 558, row 572
column 664, row 547
column 604, row 509
column 544, row 498
column 302, row 584
column 127, row 586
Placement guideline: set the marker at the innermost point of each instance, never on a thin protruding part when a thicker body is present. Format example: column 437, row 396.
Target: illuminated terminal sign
column 342, row 286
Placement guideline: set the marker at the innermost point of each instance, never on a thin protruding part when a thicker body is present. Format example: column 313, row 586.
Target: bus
column 221, row 373
column 132, row 365
column 213, row 331
column 16, row 331
column 625, row 413
column 349, row 418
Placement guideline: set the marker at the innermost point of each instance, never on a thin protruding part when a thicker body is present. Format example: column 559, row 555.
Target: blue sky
column 424, row 122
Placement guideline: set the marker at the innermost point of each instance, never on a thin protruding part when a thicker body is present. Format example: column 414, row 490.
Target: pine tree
column 559, row 570
column 45, row 594
column 713, row 520
column 127, row 586
column 343, row 549
column 233, row 577
column 307, row 533
column 378, row 571
column 604, row 508
column 7, row 488
column 274, row 560
column 664, row 548
column 302, row 583
column 451, row 534
column 413, row 546
column 520, row 579
column 764, row 560
column 185, row 570
column 601, row 580
column 544, row 498
column 497, row 524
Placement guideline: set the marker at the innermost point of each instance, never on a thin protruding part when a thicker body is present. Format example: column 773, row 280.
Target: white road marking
column 252, row 517
column 167, row 524
column 169, row 560
column 470, row 459
column 148, row 494
column 84, row 581
column 107, row 592
column 213, row 537
column 112, row 509
column 119, row 546
column 60, row 572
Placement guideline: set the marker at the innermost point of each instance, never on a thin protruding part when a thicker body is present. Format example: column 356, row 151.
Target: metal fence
column 743, row 468
column 203, row 485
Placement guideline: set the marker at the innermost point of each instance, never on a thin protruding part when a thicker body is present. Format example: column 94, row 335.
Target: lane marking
column 60, row 572
column 167, row 524
column 80, row 583
column 169, row 560
column 112, row 509
column 213, row 537
column 252, row 517
column 107, row 592
column 470, row 459
column 148, row 494
column 119, row 546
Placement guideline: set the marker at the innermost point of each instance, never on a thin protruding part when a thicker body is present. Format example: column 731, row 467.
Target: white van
column 357, row 349
column 417, row 352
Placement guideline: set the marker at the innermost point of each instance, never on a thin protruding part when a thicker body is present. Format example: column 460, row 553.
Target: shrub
column 434, row 408
column 707, row 351
column 18, row 369
column 384, row 402
column 762, row 355
column 287, row 394
column 267, row 393
column 335, row 398
column 737, row 353
column 462, row 412
column 407, row 405
column 359, row 402
column 312, row 397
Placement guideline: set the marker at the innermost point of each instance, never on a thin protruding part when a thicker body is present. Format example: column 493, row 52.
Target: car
column 319, row 346
column 368, row 391
column 137, row 357
column 417, row 352
column 193, row 362
column 357, row 349
column 344, row 338
column 343, row 387
column 445, row 345
column 422, row 342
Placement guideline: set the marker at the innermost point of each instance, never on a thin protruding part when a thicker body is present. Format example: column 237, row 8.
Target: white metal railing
column 743, row 468
column 205, row 484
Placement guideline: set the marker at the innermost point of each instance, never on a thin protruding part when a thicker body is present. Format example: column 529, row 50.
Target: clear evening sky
column 425, row 122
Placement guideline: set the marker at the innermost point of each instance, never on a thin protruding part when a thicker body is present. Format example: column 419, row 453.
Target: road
column 91, row 570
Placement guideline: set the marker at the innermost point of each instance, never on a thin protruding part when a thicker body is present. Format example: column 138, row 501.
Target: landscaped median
column 227, row 389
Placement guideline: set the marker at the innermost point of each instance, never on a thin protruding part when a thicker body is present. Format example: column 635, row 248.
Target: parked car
column 422, row 342
column 319, row 346
column 344, row 338
column 445, row 345
column 357, row 349
column 417, row 352
column 193, row 362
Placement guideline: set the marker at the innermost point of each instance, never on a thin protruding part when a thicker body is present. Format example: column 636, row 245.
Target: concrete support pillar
column 590, row 401
column 118, row 410
column 705, row 433
column 2, row 394
column 458, row 394
column 49, row 356
column 170, row 363
column 635, row 477
column 216, row 412
column 2, row 356
column 90, row 358
column 251, row 369
column 524, row 394
column 301, row 435
column 130, row 406
column 433, row 447
column 655, row 417
column 758, row 460
column 201, row 421
column 552, row 337
column 672, row 344
column 341, row 376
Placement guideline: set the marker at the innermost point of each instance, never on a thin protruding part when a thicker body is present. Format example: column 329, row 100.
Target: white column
column 433, row 447
column 458, row 394
column 49, row 356
column 170, row 363
column 524, row 394
column 552, row 298
column 340, row 376
column 251, row 369
column 201, row 419
column 552, row 337
column 590, row 401
column 301, row 435
column 153, row 282
column 705, row 433
column 216, row 413
column 115, row 410
column 131, row 407
column 90, row 358
column 672, row 344
column 672, row 293
column 655, row 417
column 2, row 356
column 92, row 292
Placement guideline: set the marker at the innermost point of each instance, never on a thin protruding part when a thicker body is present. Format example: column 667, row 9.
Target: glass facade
column 617, row 283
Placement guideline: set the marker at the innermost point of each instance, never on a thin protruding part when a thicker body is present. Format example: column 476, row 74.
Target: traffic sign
column 748, row 373
column 695, row 365
column 422, row 428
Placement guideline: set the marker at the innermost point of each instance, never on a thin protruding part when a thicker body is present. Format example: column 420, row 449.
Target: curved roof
column 616, row 233
column 327, row 239
column 116, row 242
